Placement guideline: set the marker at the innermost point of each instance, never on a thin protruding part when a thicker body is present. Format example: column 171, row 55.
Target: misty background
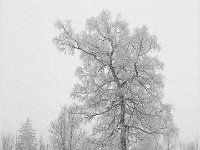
column 36, row 79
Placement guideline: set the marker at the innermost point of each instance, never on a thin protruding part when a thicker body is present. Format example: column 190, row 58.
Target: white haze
column 36, row 79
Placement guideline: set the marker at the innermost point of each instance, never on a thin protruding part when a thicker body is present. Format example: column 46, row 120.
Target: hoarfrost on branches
column 121, row 82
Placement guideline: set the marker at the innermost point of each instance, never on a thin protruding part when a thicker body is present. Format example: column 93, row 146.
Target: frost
column 121, row 80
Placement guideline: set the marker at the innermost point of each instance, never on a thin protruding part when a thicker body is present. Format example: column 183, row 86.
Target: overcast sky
column 36, row 79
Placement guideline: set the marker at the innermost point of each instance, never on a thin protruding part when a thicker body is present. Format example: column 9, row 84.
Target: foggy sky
column 36, row 79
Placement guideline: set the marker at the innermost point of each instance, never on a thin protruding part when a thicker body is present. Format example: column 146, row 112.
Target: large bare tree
column 121, row 82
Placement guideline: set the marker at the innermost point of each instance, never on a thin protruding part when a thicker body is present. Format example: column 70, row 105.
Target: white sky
column 36, row 79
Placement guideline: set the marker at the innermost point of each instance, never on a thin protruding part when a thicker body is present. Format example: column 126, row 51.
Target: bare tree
column 65, row 130
column 7, row 141
column 121, row 84
column 193, row 145
column 170, row 135
column 41, row 144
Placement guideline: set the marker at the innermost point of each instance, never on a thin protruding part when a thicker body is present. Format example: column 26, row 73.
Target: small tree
column 7, row 141
column 170, row 137
column 26, row 138
column 65, row 130
column 41, row 144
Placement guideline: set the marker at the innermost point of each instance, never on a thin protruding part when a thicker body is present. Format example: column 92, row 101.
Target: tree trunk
column 122, row 125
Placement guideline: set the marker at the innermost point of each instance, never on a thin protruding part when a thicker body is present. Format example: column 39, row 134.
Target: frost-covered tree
column 170, row 136
column 26, row 137
column 7, row 141
column 65, row 130
column 121, row 82
column 41, row 145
